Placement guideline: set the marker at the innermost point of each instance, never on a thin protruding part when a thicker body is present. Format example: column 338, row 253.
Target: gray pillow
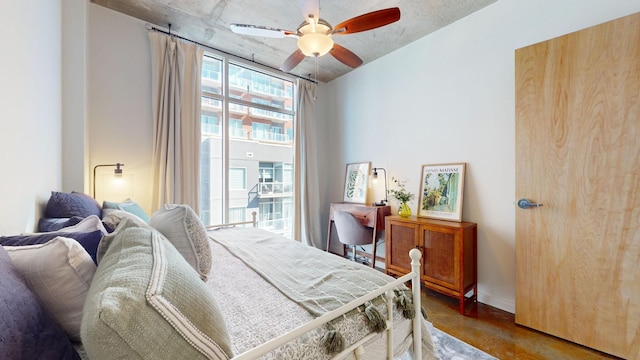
column 145, row 301
column 181, row 225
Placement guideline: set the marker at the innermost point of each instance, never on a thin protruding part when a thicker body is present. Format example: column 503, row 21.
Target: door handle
column 525, row 204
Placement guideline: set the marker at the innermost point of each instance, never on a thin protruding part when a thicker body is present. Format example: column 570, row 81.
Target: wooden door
column 578, row 153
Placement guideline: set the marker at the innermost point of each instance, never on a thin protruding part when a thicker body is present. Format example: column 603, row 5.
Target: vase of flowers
column 402, row 195
column 404, row 210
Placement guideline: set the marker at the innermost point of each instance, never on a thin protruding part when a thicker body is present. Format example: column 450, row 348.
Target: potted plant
column 402, row 195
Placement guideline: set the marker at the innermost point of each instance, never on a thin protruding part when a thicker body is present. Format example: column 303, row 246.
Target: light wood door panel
column 578, row 153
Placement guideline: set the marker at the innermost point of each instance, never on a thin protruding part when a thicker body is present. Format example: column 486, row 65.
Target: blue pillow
column 66, row 205
column 128, row 206
column 89, row 240
column 27, row 331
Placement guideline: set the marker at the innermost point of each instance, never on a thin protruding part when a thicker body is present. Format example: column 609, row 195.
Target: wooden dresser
column 449, row 252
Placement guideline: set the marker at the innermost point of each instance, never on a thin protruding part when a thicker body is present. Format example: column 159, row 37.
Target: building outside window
column 247, row 145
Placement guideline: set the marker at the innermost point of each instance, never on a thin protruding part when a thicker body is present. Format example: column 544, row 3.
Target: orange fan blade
column 372, row 20
column 345, row 56
column 292, row 61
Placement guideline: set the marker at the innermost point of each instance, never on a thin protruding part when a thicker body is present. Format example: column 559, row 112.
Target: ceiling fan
column 315, row 34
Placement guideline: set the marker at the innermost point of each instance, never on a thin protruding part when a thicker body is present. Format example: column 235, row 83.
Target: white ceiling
column 207, row 22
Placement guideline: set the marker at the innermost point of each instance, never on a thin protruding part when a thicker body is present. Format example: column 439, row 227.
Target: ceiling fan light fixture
column 315, row 44
column 315, row 35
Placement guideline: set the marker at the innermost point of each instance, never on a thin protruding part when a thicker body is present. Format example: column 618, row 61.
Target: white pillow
column 90, row 223
column 183, row 228
column 113, row 218
column 59, row 272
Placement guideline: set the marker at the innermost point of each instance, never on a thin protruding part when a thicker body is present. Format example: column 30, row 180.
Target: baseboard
column 507, row 305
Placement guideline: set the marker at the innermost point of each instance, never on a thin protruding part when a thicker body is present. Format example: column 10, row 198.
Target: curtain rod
column 151, row 27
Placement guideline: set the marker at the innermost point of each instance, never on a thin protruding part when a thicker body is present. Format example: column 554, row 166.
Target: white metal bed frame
column 356, row 348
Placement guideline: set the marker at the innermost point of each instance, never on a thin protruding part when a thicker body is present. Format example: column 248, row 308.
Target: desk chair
column 351, row 232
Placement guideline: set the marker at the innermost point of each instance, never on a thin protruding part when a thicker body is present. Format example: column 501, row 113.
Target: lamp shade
column 315, row 44
column 315, row 38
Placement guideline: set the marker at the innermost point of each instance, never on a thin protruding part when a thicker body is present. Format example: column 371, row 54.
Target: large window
column 247, row 145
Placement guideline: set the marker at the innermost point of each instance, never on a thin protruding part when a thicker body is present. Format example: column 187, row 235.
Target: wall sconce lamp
column 117, row 172
column 375, row 180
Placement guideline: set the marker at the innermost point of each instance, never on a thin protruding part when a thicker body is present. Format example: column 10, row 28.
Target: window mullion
column 226, row 132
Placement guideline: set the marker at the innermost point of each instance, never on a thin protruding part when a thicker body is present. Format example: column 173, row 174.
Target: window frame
column 225, row 121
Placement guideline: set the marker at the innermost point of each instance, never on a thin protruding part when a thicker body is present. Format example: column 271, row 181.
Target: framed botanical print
column 441, row 188
column 356, row 180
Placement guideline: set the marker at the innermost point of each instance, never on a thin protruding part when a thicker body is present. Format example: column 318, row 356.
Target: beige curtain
column 175, row 85
column 307, row 199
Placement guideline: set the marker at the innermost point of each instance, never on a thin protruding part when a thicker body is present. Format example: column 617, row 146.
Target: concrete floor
column 495, row 332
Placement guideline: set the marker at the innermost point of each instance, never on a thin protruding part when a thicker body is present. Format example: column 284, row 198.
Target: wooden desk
column 369, row 215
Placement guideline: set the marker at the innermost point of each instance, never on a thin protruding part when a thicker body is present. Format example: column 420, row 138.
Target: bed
column 299, row 328
column 263, row 296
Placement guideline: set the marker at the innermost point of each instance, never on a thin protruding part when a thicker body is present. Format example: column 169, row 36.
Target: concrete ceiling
column 207, row 22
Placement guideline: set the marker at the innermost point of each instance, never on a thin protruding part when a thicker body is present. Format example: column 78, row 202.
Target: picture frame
column 356, row 180
column 441, row 191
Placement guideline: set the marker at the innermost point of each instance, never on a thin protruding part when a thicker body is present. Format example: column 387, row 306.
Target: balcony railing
column 260, row 88
column 275, row 189
column 215, row 129
column 211, row 74
column 270, row 136
column 271, row 114
column 234, row 132
column 238, row 133
column 210, row 129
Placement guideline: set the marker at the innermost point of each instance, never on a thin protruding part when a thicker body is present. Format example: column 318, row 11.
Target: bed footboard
column 357, row 348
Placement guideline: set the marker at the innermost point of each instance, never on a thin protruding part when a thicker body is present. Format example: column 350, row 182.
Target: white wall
column 449, row 97
column 119, row 102
column 74, row 96
column 30, row 110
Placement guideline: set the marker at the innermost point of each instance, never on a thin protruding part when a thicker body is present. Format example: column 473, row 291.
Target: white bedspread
column 256, row 312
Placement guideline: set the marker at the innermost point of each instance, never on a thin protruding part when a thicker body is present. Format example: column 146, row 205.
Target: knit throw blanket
column 318, row 281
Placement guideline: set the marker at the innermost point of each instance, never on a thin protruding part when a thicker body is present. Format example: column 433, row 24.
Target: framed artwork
column 441, row 188
column 356, row 179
